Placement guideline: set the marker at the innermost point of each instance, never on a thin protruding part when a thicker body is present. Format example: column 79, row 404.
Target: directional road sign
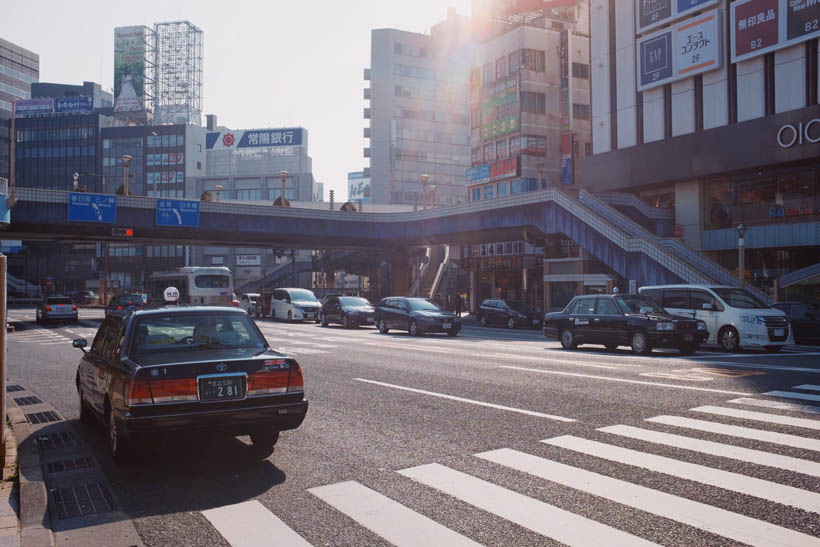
column 83, row 207
column 177, row 212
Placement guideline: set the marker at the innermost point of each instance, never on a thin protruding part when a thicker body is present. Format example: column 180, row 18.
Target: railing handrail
column 625, row 198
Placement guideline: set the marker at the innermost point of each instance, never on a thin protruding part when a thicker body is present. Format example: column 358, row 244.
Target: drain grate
column 42, row 417
column 23, row 401
column 56, row 441
column 13, row 388
column 71, row 464
column 82, row 499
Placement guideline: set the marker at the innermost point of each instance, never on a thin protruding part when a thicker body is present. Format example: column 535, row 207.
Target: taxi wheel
column 510, row 323
column 264, row 443
column 640, row 343
column 483, row 321
column 728, row 339
column 382, row 326
column 323, row 320
column 345, row 322
column 568, row 339
column 413, row 328
column 117, row 446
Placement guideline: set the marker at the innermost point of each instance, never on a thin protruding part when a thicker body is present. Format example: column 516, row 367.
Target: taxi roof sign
column 171, row 295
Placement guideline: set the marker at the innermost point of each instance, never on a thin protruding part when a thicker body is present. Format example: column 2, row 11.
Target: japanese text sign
column 175, row 212
column 650, row 14
column 761, row 26
column 83, row 207
column 500, row 109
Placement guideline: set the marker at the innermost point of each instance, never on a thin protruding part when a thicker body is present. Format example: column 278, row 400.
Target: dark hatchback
column 805, row 320
column 126, row 301
column 623, row 320
column 204, row 370
column 415, row 315
column 508, row 313
column 348, row 311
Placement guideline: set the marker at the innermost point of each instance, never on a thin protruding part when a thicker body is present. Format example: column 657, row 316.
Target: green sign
column 129, row 68
column 500, row 109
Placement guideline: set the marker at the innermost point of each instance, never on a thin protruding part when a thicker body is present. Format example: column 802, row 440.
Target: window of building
column 487, row 74
column 502, row 149
column 274, row 193
column 502, row 189
column 475, row 194
column 580, row 111
column 488, row 191
column 527, row 59
column 249, row 194
column 515, row 62
column 580, row 70
column 515, row 186
column 515, row 146
column 534, row 103
column 476, row 157
column 501, row 68
column 489, row 152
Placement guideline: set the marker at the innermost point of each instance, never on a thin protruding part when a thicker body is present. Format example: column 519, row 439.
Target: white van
column 735, row 318
column 295, row 305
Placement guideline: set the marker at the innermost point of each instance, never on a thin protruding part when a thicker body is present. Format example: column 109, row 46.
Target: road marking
column 250, row 524
column 762, row 367
column 625, row 380
column 742, row 484
column 700, row 515
column 807, row 387
column 387, row 518
column 765, row 403
column 791, row 395
column 759, row 416
column 469, row 401
column 415, row 348
column 300, row 350
column 552, row 362
column 738, row 431
column 535, row 515
column 758, row 457
column 754, row 355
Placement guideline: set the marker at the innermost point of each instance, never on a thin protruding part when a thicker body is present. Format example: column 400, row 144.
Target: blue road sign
column 177, row 212
column 84, row 207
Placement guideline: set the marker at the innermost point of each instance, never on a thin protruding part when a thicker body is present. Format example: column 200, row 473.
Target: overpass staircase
column 431, row 276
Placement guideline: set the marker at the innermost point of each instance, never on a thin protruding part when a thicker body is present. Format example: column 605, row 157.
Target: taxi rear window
column 158, row 333
column 59, row 301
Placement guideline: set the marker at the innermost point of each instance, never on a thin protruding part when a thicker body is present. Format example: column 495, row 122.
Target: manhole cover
column 82, row 499
column 23, row 401
column 56, row 441
column 42, row 417
column 13, row 388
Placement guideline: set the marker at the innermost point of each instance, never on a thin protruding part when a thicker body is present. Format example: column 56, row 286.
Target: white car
column 247, row 301
column 734, row 318
column 295, row 305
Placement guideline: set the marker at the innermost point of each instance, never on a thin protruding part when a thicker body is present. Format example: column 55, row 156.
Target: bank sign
column 500, row 109
column 253, row 138
column 690, row 47
column 761, row 26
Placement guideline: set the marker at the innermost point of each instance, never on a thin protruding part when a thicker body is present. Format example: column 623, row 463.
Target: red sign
column 228, row 140
column 679, row 231
column 504, row 169
column 756, row 26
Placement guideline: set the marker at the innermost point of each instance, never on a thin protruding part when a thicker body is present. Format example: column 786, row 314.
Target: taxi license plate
column 371, row 320
column 687, row 338
column 535, row 321
column 222, row 388
column 309, row 315
column 779, row 332
column 447, row 326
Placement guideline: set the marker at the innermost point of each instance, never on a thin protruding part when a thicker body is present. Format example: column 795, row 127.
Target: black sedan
column 205, row 370
column 125, row 301
column 805, row 320
column 348, row 311
column 509, row 313
column 623, row 320
column 415, row 315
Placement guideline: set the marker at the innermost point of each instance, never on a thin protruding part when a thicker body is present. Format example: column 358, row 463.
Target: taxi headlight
column 752, row 319
column 664, row 325
column 701, row 325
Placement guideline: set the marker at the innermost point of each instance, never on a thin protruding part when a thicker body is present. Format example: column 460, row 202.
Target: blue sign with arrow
column 177, row 212
column 83, row 207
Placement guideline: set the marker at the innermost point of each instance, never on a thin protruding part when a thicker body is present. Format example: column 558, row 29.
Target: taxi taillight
column 74, row 307
column 268, row 382
column 174, row 391
column 138, row 393
column 48, row 308
column 296, row 383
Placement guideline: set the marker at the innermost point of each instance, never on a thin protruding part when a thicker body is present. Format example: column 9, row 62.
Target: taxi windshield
column 633, row 304
column 421, row 304
column 518, row 306
column 160, row 333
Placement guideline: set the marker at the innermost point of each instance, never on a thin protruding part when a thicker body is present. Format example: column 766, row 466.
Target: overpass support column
column 400, row 274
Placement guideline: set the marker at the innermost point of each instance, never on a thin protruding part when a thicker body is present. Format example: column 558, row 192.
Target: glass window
column 632, row 303
column 501, row 68
column 302, row 295
column 502, row 189
column 515, row 186
column 488, row 191
column 502, row 149
column 476, row 194
column 738, row 298
column 193, row 331
column 487, row 74
column 421, row 304
column 803, row 312
column 586, row 306
column 606, row 306
column 515, row 146
column 697, row 299
column 212, row 281
column 515, row 61
column 489, row 152
column 675, row 299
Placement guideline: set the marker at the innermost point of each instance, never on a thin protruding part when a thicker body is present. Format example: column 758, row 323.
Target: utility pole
column 741, row 255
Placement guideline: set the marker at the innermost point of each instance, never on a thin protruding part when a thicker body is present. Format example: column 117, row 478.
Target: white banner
column 248, row 260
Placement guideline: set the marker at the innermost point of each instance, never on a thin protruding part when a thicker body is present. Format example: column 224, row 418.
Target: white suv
column 735, row 318
column 295, row 305
column 247, row 301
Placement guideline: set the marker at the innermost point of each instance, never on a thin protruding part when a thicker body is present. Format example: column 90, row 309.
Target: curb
column 35, row 522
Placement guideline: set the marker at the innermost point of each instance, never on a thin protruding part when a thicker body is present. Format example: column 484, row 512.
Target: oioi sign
column 789, row 135
column 761, row 26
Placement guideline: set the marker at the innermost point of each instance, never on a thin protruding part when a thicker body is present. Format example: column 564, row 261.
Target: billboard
column 567, row 165
column 32, row 107
column 74, row 104
column 253, row 138
column 500, row 108
column 761, row 26
column 129, row 68
column 566, row 105
column 650, row 14
column 495, row 8
column 688, row 48
column 490, row 172
column 358, row 187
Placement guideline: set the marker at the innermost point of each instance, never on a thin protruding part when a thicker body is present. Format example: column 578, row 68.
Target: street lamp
column 432, row 196
column 76, row 177
column 284, row 176
column 741, row 255
column 540, row 166
column 218, row 190
column 424, row 180
column 104, row 178
column 126, row 165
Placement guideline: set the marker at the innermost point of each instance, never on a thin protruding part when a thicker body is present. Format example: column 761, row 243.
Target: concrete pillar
column 400, row 274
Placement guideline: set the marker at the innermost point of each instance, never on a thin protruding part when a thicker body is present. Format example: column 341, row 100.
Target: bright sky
column 268, row 63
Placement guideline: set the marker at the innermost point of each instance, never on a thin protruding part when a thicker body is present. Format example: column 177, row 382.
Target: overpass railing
column 631, row 200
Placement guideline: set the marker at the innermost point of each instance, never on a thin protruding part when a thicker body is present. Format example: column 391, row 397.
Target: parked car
column 415, row 315
column 126, row 301
column 623, row 320
column 247, row 301
column 348, row 311
column 805, row 321
column 56, row 308
column 294, row 305
column 146, row 374
column 735, row 318
column 234, row 300
column 509, row 313
column 84, row 298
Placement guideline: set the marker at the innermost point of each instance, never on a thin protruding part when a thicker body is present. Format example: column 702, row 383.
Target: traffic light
column 122, row 232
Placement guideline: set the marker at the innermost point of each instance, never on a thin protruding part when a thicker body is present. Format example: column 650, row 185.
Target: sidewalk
column 10, row 495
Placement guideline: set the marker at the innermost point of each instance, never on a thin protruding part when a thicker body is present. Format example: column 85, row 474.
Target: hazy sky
column 268, row 63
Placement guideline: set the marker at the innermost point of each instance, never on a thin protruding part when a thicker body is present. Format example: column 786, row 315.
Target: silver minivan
column 734, row 317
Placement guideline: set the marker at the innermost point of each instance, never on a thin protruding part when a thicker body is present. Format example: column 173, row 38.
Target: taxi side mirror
column 80, row 343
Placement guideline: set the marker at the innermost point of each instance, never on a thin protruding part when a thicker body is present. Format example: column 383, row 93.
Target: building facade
column 100, row 97
column 721, row 131
column 19, row 69
column 418, row 114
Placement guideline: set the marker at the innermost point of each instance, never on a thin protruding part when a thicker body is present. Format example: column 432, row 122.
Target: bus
column 197, row 285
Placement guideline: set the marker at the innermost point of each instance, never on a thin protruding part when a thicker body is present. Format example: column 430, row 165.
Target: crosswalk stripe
column 759, row 416
column 250, row 524
column 765, row 403
column 792, row 395
column 751, row 486
column 535, row 515
column 387, row 518
column 414, row 347
column 700, row 515
column 738, row 431
column 808, row 387
column 712, row 448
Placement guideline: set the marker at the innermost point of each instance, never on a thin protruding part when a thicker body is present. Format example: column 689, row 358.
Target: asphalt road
column 440, row 441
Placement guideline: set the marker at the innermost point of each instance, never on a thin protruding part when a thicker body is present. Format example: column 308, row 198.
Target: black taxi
column 204, row 370
column 623, row 320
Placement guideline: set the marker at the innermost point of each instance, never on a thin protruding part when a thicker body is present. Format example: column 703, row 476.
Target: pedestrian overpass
column 626, row 246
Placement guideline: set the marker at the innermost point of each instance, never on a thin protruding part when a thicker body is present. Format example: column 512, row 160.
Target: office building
column 722, row 134
column 418, row 113
column 100, row 98
column 19, row 68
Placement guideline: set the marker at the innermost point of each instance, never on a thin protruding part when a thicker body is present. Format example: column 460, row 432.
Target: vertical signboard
column 358, row 187
column 500, row 108
column 650, row 14
column 567, row 170
column 761, row 26
column 129, row 68
column 566, row 112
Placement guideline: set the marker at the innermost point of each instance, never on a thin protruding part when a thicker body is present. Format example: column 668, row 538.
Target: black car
column 204, row 370
column 623, row 320
column 348, row 311
column 805, row 320
column 509, row 313
column 125, row 301
column 415, row 315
